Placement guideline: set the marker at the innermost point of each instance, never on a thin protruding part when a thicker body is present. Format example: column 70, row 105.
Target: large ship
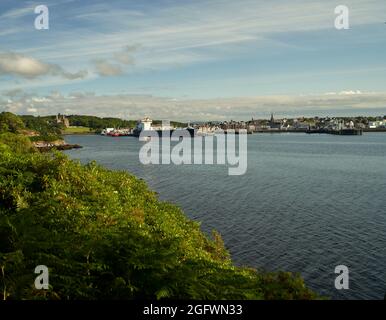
column 145, row 128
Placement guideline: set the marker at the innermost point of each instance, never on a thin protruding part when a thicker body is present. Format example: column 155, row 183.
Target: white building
column 144, row 124
column 377, row 124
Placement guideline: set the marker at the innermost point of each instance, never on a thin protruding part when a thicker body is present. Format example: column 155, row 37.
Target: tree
column 10, row 122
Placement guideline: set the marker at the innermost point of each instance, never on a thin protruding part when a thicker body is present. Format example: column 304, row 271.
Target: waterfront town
column 298, row 124
column 333, row 125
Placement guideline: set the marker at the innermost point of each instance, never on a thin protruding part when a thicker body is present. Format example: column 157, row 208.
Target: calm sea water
column 306, row 204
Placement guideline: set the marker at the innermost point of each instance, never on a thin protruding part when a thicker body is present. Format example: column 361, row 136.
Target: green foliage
column 10, row 122
column 46, row 138
column 45, row 126
column 15, row 143
column 97, row 123
column 104, row 235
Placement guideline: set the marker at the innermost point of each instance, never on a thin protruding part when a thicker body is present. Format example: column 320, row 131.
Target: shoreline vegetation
column 104, row 235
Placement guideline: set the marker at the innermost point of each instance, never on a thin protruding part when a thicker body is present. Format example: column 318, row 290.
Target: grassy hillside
column 78, row 130
column 104, row 235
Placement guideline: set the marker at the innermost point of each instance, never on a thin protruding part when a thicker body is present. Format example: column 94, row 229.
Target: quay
column 341, row 132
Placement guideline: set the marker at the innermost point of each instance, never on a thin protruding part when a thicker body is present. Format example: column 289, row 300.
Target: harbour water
column 306, row 204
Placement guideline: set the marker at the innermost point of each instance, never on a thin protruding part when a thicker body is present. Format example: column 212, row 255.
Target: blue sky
column 193, row 60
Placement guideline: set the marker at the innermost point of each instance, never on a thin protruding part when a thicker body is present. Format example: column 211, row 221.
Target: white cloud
column 11, row 63
column 350, row 92
column 136, row 106
column 104, row 68
column 125, row 56
column 28, row 67
column 40, row 99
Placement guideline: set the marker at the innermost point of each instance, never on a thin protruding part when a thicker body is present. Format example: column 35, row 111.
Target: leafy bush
column 46, row 138
column 15, row 143
column 10, row 122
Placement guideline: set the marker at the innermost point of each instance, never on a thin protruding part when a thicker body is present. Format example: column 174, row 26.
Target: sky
column 193, row 60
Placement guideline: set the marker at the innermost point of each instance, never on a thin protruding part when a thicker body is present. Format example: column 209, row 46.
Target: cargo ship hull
column 189, row 132
column 341, row 132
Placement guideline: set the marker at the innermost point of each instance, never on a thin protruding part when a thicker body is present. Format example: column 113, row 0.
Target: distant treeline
column 46, row 128
column 48, row 123
column 92, row 122
column 96, row 123
column 43, row 125
column 38, row 129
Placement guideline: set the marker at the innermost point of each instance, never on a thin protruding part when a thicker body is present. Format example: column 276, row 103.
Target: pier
column 341, row 132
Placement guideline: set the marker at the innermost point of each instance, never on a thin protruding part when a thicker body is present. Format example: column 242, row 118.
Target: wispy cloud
column 104, row 68
column 179, row 28
column 18, row 12
column 115, row 65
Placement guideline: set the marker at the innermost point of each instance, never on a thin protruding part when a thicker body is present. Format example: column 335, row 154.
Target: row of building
column 298, row 124
column 254, row 125
column 377, row 124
